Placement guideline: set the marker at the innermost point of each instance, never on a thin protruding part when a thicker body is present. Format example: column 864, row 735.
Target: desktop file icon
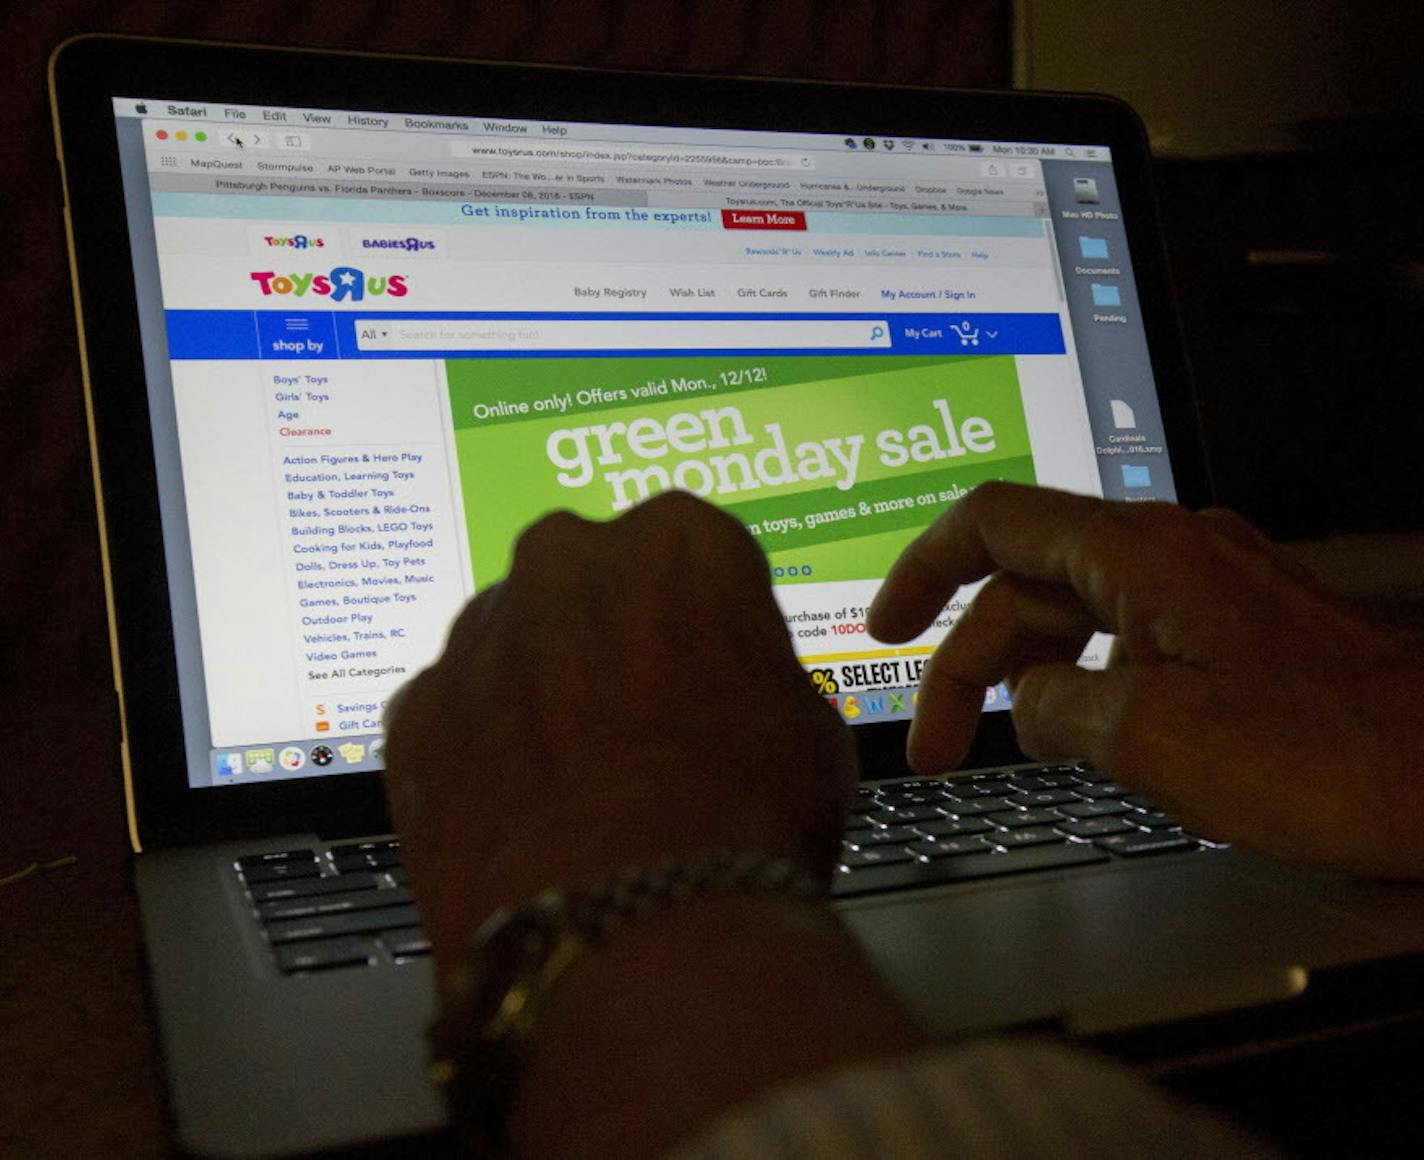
column 1106, row 295
column 1091, row 248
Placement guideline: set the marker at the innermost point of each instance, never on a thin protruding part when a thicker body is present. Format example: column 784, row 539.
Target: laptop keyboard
column 349, row 906
column 932, row 832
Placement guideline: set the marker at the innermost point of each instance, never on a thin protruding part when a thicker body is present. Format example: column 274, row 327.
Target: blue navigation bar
column 328, row 334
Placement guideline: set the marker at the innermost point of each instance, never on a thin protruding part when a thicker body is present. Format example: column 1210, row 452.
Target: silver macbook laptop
column 350, row 323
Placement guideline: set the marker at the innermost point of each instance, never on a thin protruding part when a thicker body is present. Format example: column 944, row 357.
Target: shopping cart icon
column 967, row 332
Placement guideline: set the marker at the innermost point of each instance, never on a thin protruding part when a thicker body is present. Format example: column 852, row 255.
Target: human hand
column 1240, row 697
column 627, row 693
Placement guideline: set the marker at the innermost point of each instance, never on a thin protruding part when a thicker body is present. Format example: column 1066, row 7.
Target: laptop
column 349, row 323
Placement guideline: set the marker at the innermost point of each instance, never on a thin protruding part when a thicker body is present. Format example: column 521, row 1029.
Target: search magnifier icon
column 876, row 332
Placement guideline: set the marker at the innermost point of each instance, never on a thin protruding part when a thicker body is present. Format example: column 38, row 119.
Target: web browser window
column 379, row 346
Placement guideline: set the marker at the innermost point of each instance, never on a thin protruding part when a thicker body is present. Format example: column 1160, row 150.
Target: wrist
column 690, row 1012
column 615, row 1018
column 568, row 853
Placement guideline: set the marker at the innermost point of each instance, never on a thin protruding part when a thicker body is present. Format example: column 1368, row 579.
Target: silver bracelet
column 490, row 1004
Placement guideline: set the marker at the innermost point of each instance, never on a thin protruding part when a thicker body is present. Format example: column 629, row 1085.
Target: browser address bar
column 667, row 156
column 413, row 334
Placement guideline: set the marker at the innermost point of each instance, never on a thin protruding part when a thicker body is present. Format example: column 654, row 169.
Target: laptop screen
column 378, row 345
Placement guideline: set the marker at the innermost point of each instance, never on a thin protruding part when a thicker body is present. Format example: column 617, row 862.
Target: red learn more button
column 763, row 219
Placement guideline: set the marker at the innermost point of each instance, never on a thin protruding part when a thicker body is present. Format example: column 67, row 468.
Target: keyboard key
column 1103, row 809
column 981, row 786
column 1033, row 783
column 952, row 828
column 331, row 904
column 1137, row 800
column 365, row 847
column 1015, row 818
column 897, row 801
column 939, row 871
column 1098, row 827
column 1046, row 797
column 276, row 856
column 365, row 860
column 325, row 954
column 969, row 790
column 1102, row 789
column 331, row 925
column 407, row 942
column 1156, row 842
column 857, row 859
column 976, row 808
column 1153, row 820
column 286, row 908
column 366, row 900
column 906, row 816
column 306, row 887
column 280, row 871
column 886, row 836
column 949, row 847
column 1030, row 836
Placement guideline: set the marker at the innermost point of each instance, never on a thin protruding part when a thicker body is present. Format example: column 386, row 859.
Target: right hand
column 1240, row 697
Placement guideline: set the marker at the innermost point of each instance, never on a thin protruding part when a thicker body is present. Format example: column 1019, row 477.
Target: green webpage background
column 508, row 479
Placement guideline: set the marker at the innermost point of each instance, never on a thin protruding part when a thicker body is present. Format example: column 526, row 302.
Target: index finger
column 998, row 525
column 1103, row 551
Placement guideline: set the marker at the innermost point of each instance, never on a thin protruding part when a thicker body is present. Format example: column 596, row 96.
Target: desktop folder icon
column 1093, row 247
column 1135, row 475
column 1106, row 295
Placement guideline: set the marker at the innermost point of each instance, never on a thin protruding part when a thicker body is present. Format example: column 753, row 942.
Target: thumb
column 1125, row 719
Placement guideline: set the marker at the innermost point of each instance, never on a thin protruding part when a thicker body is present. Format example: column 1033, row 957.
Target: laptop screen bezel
column 87, row 73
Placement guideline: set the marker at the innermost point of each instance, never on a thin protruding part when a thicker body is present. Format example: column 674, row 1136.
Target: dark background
column 1301, row 284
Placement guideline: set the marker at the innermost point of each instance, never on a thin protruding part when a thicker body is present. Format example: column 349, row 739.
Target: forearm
column 688, row 1013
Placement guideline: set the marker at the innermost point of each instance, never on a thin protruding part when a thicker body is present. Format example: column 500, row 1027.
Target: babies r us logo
column 344, row 282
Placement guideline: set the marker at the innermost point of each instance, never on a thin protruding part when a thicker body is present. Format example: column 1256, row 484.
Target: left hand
column 627, row 693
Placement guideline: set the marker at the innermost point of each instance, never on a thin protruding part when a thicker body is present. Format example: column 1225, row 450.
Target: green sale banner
column 833, row 462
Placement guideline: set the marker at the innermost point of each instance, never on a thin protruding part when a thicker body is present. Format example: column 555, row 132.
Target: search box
column 437, row 334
